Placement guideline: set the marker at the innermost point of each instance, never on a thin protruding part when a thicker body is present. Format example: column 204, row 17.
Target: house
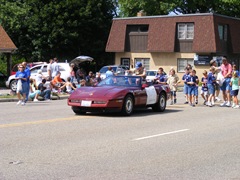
column 7, row 47
column 174, row 41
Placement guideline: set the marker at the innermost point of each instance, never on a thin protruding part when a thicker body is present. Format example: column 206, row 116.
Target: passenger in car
column 161, row 77
column 139, row 70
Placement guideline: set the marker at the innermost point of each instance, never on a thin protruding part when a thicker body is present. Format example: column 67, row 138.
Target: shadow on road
column 136, row 113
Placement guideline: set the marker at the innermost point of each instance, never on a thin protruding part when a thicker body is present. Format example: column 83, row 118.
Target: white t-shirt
column 38, row 78
column 55, row 69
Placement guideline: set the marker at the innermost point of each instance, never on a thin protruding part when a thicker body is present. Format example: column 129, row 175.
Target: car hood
column 99, row 92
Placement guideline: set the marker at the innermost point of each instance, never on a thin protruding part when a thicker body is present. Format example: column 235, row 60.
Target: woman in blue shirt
column 22, row 86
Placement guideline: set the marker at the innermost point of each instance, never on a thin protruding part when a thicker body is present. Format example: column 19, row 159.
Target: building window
column 182, row 63
column 222, row 31
column 136, row 38
column 185, row 31
column 125, row 62
column 145, row 62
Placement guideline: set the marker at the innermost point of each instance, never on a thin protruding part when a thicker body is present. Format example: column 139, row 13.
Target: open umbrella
column 81, row 59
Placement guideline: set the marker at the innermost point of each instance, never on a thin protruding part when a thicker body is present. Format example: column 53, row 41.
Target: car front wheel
column 13, row 85
column 127, row 108
column 160, row 106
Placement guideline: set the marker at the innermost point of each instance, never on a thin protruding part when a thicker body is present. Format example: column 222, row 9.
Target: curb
column 16, row 99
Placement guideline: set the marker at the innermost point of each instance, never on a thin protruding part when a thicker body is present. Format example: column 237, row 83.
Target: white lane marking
column 157, row 135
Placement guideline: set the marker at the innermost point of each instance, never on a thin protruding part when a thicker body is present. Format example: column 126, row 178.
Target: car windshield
column 105, row 68
column 151, row 73
column 124, row 81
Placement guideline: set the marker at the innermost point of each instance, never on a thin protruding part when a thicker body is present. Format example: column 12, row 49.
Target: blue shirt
column 28, row 73
column 109, row 73
column 204, row 83
column 192, row 79
column 21, row 74
column 185, row 77
column 211, row 78
column 161, row 77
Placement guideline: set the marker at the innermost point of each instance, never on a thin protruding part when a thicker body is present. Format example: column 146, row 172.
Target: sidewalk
column 7, row 92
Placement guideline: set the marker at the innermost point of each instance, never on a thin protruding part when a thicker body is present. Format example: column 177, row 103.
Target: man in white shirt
column 55, row 67
column 49, row 70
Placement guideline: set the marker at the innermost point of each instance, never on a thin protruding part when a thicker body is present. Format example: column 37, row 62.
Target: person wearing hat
column 139, row 70
column 213, row 63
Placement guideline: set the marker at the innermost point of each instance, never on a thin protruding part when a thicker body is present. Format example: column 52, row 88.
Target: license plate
column 86, row 103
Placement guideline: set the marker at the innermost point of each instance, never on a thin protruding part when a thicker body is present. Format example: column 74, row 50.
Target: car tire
column 78, row 111
column 13, row 85
column 127, row 107
column 160, row 106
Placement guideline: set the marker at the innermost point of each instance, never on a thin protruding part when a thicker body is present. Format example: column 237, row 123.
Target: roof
column 162, row 32
column 6, row 44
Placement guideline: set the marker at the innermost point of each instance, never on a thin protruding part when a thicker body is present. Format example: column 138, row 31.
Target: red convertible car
column 119, row 94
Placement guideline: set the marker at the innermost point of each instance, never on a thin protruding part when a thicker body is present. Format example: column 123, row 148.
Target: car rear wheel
column 160, row 106
column 127, row 108
column 13, row 85
column 78, row 111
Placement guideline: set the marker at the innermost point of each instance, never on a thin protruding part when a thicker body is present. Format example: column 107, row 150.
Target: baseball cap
column 138, row 65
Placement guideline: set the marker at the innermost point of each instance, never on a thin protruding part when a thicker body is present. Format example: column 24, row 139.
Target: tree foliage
column 66, row 29
column 161, row 7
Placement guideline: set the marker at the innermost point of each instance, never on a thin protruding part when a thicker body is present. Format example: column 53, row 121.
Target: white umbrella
column 81, row 59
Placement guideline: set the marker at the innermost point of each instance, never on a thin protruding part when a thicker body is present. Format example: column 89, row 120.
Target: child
column 196, row 86
column 204, row 90
column 173, row 82
column 211, row 88
column 69, row 86
column 81, row 83
column 72, row 72
column 191, row 81
column 34, row 93
column 235, row 88
column 185, row 87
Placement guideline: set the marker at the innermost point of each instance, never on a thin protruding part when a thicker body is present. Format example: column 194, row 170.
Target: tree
column 66, row 29
column 130, row 8
column 162, row 7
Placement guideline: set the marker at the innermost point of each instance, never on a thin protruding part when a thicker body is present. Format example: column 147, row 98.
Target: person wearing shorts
column 211, row 79
column 204, row 89
column 235, row 88
column 185, row 86
column 226, row 69
column 191, row 81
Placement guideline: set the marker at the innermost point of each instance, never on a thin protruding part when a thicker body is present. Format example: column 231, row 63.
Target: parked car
column 64, row 69
column 15, row 67
column 3, row 78
column 119, row 94
column 117, row 69
column 151, row 74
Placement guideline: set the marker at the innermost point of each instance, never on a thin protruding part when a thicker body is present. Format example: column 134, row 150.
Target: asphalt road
column 45, row 140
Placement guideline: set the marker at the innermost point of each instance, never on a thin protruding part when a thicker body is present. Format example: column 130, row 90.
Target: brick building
column 174, row 41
